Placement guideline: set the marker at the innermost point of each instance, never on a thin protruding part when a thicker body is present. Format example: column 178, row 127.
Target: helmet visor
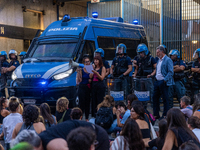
column 195, row 55
column 120, row 50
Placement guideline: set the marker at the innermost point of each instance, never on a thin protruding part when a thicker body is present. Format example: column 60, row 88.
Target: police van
column 46, row 74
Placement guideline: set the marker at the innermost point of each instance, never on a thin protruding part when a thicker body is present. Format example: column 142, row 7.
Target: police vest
column 196, row 75
column 179, row 75
column 10, row 72
column 120, row 66
column 145, row 66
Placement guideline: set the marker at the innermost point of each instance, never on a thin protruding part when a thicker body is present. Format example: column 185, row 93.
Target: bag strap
column 189, row 108
column 148, row 117
column 61, row 120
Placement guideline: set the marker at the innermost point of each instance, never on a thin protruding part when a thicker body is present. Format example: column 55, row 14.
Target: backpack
column 104, row 117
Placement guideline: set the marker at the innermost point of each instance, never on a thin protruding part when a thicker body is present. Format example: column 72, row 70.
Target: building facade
column 20, row 20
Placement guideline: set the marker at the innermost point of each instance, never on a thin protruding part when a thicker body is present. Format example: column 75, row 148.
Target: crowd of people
column 120, row 127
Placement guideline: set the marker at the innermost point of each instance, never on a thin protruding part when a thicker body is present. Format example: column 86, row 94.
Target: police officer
column 146, row 66
column 196, row 69
column 3, row 63
column 100, row 52
column 121, row 66
column 179, row 67
column 14, row 63
column 21, row 55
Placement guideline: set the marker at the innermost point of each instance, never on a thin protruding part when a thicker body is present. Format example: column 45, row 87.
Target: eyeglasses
column 87, row 61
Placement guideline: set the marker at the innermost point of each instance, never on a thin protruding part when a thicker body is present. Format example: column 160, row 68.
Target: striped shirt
column 120, row 143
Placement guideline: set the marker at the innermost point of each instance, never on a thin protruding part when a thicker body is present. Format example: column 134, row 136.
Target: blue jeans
column 111, row 129
column 160, row 88
column 179, row 89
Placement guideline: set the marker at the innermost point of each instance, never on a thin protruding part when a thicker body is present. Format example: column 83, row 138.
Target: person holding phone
column 98, row 85
column 84, row 80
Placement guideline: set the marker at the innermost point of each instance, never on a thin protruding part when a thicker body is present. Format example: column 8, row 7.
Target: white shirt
column 159, row 75
column 9, row 124
column 197, row 133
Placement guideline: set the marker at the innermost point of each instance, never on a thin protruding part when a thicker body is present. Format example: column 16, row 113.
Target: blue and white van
column 46, row 74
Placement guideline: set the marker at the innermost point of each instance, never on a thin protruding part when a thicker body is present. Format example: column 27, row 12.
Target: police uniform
column 196, row 78
column 12, row 63
column 179, row 87
column 3, row 79
column 106, row 63
column 121, row 65
column 145, row 68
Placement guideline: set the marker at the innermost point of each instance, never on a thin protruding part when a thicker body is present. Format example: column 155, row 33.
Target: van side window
column 131, row 45
column 108, row 45
column 89, row 49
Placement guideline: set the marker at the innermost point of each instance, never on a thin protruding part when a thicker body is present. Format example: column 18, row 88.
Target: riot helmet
column 22, row 53
column 3, row 53
column 121, row 49
column 196, row 54
column 100, row 51
column 142, row 48
column 174, row 52
column 12, row 51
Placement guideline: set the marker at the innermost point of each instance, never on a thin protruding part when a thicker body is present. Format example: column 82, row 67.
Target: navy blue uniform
column 3, row 79
column 179, row 87
column 106, row 64
column 12, row 63
column 196, row 79
column 121, row 65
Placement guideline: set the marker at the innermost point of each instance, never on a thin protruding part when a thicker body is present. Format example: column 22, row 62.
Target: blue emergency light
column 135, row 21
column 43, row 82
column 66, row 17
column 95, row 14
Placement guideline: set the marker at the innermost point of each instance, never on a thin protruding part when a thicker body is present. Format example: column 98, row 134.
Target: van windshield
column 54, row 50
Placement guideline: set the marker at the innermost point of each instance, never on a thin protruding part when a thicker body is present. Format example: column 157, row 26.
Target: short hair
column 186, row 100
column 81, row 138
column 29, row 136
column 62, row 104
column 13, row 104
column 194, row 122
column 76, row 113
column 189, row 145
column 121, row 104
column 162, row 48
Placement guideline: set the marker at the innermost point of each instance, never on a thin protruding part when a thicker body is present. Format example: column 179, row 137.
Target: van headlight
column 63, row 75
column 14, row 76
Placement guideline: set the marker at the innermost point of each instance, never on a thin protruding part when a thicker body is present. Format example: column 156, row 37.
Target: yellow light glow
column 194, row 42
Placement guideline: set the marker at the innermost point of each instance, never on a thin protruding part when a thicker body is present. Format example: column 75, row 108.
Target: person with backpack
column 45, row 112
column 62, row 110
column 105, row 116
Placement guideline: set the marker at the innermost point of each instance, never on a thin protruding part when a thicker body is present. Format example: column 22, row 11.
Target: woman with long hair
column 138, row 114
column 196, row 105
column 130, row 137
column 84, row 79
column 178, row 131
column 30, row 121
column 159, row 142
column 98, row 86
column 45, row 112
column 3, row 113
